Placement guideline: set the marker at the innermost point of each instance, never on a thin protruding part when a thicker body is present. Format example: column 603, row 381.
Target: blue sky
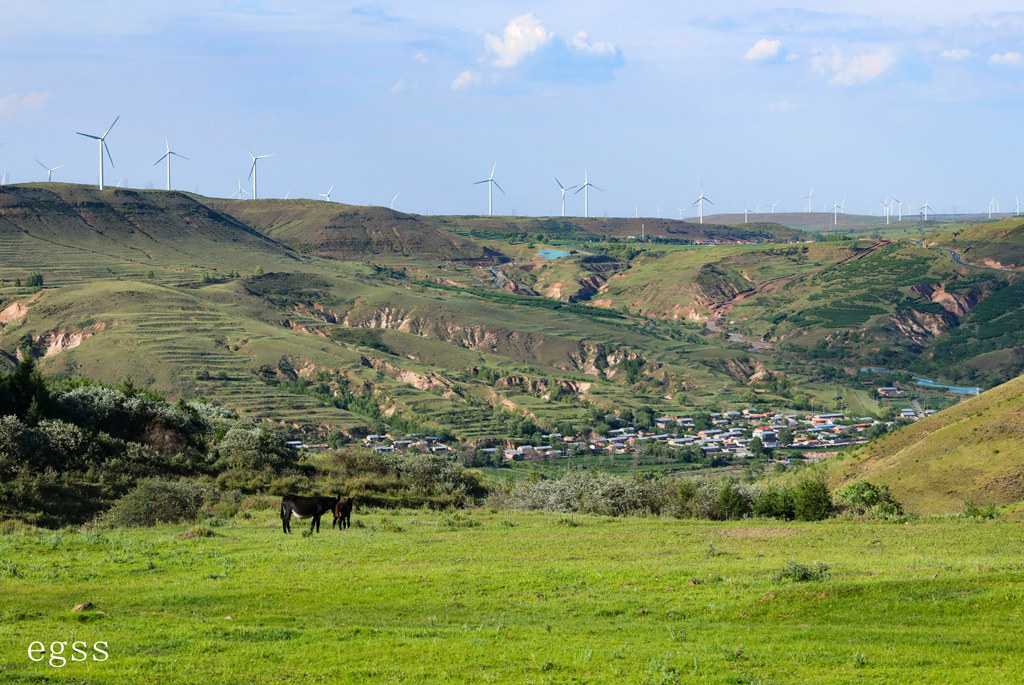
column 865, row 100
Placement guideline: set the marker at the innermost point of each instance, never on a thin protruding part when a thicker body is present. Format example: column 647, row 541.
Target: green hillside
column 970, row 452
column 325, row 317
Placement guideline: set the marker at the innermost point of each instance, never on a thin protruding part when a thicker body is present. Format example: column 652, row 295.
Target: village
column 733, row 433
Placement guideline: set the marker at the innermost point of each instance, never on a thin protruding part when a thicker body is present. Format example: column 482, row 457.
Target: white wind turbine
column 1017, row 213
column 587, row 185
column 926, row 209
column 700, row 203
column 241, row 192
column 563, row 189
column 327, row 195
column 745, row 211
column 886, row 207
column 773, row 206
column 393, row 201
column 900, row 204
column 167, row 156
column 835, row 213
column 252, row 169
column 103, row 146
column 490, row 187
column 810, row 199
column 49, row 171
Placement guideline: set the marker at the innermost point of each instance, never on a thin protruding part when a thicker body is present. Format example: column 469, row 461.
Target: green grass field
column 411, row 596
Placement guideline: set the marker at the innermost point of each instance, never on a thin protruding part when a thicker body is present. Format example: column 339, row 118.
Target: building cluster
column 728, row 434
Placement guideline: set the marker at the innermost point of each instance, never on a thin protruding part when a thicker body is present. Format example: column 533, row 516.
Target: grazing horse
column 342, row 511
column 305, row 507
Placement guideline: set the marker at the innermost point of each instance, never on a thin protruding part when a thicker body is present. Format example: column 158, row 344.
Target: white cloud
column 581, row 41
column 467, row 79
column 13, row 103
column 763, row 50
column 956, row 54
column 850, row 71
column 399, row 86
column 783, row 106
column 420, row 57
column 523, row 36
column 1007, row 59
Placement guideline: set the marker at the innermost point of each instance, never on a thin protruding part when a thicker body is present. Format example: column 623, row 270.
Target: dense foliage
column 69, row 448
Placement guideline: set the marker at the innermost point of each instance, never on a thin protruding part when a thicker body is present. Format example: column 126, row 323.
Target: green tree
column 812, row 500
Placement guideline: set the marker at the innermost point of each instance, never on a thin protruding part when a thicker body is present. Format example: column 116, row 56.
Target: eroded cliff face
column 559, row 352
column 955, row 303
column 919, row 328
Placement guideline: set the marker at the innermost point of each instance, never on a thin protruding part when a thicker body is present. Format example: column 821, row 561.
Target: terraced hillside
column 192, row 301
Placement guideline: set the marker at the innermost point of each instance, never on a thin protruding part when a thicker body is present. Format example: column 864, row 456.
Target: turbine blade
column 486, row 180
column 104, row 144
column 162, row 157
column 248, row 150
column 330, row 189
column 252, row 168
column 42, row 165
column 56, row 167
column 88, row 135
column 111, row 126
column 708, row 201
column 595, row 187
column 559, row 183
column 499, row 187
column 177, row 155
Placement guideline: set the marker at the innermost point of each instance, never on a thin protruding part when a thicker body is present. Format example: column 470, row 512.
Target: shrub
column 154, row 501
column 774, row 502
column 812, row 500
column 802, row 573
column 863, row 497
column 734, row 501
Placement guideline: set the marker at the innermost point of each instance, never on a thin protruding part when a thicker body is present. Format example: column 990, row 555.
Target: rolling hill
column 968, row 452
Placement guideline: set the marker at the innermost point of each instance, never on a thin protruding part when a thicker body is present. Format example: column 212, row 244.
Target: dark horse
column 342, row 511
column 305, row 507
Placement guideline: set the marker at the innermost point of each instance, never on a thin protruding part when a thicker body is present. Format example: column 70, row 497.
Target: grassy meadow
column 484, row 596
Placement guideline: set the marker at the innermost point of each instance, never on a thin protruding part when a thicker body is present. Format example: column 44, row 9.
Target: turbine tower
column 835, row 213
column 252, row 169
column 587, row 185
column 773, row 206
column 49, row 171
column 327, row 195
column 167, row 155
column 810, row 199
column 900, row 203
column 563, row 188
column 393, row 201
column 103, row 146
column 490, row 187
column 700, row 203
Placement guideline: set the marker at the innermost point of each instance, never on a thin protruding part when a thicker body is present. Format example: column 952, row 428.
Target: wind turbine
column 810, row 199
column 587, row 185
column 49, row 171
column 900, row 203
column 835, row 213
column 745, row 210
column 886, row 206
column 167, row 155
column 393, row 201
column 926, row 209
column 563, row 188
column 252, row 169
column 490, row 187
column 700, row 203
column 103, row 146
column 773, row 206
column 327, row 195
column 241, row 192
column 1018, row 206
